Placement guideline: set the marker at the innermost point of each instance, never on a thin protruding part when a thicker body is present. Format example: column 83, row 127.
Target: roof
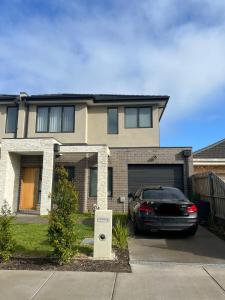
column 96, row 98
column 8, row 97
column 216, row 150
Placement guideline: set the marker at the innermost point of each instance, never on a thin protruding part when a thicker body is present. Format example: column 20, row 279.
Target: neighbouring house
column 109, row 144
column 211, row 159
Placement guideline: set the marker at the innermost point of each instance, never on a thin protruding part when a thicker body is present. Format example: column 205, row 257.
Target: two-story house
column 91, row 136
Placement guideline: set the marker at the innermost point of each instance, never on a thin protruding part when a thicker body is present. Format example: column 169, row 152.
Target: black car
column 159, row 208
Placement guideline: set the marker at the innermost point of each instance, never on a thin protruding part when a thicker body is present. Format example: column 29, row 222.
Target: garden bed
column 33, row 251
column 119, row 264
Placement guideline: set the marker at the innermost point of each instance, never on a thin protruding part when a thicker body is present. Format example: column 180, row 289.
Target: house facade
column 211, row 159
column 94, row 137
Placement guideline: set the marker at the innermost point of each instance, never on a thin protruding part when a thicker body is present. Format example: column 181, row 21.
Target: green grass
column 31, row 239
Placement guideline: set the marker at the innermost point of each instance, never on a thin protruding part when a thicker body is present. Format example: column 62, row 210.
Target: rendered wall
column 126, row 137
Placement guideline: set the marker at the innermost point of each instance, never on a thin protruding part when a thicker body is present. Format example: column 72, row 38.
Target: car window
column 166, row 193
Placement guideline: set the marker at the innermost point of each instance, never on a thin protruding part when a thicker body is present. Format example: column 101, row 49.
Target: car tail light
column 192, row 208
column 145, row 208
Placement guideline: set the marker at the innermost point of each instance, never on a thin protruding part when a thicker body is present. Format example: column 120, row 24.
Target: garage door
column 166, row 175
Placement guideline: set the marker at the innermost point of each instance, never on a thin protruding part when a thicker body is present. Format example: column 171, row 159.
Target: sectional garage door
column 167, row 175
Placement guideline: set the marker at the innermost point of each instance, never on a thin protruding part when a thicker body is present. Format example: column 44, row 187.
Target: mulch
column 118, row 265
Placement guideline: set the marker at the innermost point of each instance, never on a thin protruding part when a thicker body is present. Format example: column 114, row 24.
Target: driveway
column 203, row 248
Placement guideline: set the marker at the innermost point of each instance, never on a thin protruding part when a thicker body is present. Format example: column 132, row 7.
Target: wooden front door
column 29, row 188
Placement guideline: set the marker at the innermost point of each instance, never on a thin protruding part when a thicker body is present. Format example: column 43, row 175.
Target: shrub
column 120, row 235
column 7, row 243
column 121, row 217
column 61, row 230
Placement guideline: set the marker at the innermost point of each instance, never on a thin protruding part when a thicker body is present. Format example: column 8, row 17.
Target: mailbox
column 103, row 234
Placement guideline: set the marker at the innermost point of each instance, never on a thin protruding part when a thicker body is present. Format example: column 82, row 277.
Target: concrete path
column 25, row 218
column 203, row 248
column 161, row 281
column 154, row 281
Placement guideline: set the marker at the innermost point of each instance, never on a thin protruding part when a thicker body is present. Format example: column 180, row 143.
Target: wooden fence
column 210, row 188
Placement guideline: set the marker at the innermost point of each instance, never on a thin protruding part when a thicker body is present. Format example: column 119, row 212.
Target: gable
column 216, row 150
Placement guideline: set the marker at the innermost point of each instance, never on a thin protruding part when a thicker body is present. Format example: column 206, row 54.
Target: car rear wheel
column 192, row 230
column 129, row 216
column 136, row 227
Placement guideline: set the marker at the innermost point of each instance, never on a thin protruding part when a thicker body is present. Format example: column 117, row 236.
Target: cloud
column 139, row 47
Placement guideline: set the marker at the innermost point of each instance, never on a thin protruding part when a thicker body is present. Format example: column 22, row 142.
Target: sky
column 152, row 47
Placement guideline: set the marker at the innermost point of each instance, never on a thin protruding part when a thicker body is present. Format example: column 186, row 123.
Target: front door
column 29, row 188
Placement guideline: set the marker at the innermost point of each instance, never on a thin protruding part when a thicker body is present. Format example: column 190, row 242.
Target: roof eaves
column 167, row 100
column 57, row 96
column 8, row 97
column 111, row 97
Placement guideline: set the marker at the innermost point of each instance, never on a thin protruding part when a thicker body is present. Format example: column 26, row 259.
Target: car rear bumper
column 167, row 224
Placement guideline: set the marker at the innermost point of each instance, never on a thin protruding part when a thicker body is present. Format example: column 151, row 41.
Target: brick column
column 102, row 184
column 9, row 181
column 47, row 180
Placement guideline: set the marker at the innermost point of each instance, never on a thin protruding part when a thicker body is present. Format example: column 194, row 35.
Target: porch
column 27, row 168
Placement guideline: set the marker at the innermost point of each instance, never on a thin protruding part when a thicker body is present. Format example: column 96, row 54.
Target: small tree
column 61, row 230
column 7, row 243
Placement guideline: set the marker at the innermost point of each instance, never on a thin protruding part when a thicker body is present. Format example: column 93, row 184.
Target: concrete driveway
column 203, row 248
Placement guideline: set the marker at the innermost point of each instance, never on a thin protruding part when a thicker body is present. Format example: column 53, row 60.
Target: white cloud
column 148, row 47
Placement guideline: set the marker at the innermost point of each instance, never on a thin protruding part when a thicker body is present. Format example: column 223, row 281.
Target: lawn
column 31, row 238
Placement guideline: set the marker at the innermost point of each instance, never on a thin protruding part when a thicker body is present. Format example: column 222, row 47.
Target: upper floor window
column 113, row 120
column 55, row 119
column 138, row 117
column 11, row 120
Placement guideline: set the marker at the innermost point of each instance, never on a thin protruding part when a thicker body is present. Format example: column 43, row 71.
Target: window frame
column 62, row 116
column 138, row 117
column 117, row 112
column 94, row 196
column 6, row 121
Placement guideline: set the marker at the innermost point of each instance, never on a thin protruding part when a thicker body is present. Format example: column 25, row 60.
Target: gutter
column 208, row 161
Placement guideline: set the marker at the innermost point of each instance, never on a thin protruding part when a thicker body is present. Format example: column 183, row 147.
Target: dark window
column 131, row 117
column 71, row 172
column 42, row 119
column 93, row 182
column 163, row 194
column 55, row 119
column 112, row 120
column 68, row 119
column 138, row 117
column 11, row 119
column 110, row 182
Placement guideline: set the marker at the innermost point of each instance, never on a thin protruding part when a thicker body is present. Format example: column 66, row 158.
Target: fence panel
column 210, row 188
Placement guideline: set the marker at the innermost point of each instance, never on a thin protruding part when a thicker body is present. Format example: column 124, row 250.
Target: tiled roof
column 216, row 150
